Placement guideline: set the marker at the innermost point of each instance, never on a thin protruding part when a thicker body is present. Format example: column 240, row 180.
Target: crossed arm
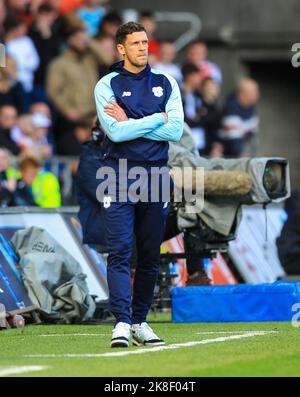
column 158, row 127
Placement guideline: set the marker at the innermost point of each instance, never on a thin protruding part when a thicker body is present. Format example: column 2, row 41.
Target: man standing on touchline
column 140, row 110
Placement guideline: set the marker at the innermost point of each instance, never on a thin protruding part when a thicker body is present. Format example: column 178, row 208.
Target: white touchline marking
column 21, row 370
column 156, row 349
column 73, row 335
column 231, row 332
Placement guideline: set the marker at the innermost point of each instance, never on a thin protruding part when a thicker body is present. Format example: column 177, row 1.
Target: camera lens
column 274, row 179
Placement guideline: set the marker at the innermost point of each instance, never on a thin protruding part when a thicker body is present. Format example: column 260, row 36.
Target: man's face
column 8, row 117
column 210, row 90
column 108, row 46
column 79, row 41
column 194, row 80
column 253, row 94
column 167, row 52
column 46, row 18
column 249, row 93
column 135, row 49
column 196, row 53
column 110, row 28
column 28, row 174
column 82, row 133
column 149, row 24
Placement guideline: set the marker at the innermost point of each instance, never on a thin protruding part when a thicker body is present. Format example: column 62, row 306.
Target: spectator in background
column 92, row 13
column 43, row 108
column 59, row 22
column 239, row 119
column 167, row 54
column 21, row 48
column 192, row 103
column 31, row 134
column 40, row 107
column 23, row 194
column 110, row 24
column 21, row 9
column 83, row 132
column 22, row 131
column 8, row 120
column 2, row 19
column 11, row 91
column 71, row 80
column 8, row 176
column 210, row 114
column 148, row 21
column 39, row 139
column 47, row 43
column 107, row 43
column 36, row 187
column 83, row 135
column 196, row 53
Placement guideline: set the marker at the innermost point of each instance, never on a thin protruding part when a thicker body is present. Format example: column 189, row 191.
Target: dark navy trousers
column 121, row 221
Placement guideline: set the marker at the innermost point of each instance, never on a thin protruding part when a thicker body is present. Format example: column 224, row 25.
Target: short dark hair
column 195, row 42
column 146, row 14
column 188, row 69
column 12, row 22
column 112, row 17
column 128, row 28
column 45, row 8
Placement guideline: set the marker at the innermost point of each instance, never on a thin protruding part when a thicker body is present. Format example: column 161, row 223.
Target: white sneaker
column 143, row 334
column 120, row 335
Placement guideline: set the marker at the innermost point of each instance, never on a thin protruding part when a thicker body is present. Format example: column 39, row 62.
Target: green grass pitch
column 271, row 354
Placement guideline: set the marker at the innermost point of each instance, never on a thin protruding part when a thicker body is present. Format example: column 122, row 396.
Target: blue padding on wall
column 235, row 303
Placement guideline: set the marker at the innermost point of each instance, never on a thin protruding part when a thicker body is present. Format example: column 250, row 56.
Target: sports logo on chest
column 158, row 91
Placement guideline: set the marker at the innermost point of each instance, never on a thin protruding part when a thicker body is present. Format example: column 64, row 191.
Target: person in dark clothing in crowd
column 21, row 9
column 239, row 120
column 11, row 91
column 8, row 118
column 47, row 43
column 8, row 176
column 71, row 78
column 90, row 161
column 106, row 42
column 110, row 24
column 210, row 113
column 20, row 47
column 3, row 12
column 23, row 195
column 288, row 243
column 192, row 103
column 147, row 19
column 197, row 53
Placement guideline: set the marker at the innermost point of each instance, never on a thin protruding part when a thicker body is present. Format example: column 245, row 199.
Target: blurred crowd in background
column 56, row 51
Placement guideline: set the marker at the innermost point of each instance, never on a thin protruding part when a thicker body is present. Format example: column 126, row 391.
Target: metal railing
column 173, row 17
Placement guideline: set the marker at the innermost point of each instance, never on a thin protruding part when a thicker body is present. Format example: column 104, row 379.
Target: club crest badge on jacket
column 106, row 201
column 158, row 91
